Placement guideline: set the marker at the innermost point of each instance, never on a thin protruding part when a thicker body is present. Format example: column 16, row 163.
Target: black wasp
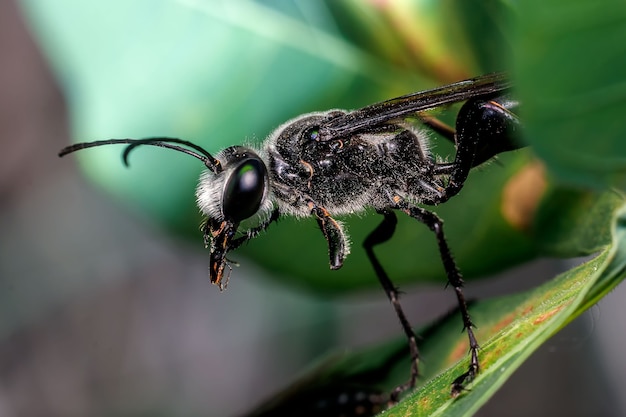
column 333, row 163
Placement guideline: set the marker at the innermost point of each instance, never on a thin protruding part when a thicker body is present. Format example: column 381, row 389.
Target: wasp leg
column 334, row 234
column 381, row 234
column 206, row 232
column 455, row 280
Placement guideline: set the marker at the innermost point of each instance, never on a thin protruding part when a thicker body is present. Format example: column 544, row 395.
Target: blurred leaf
column 570, row 57
column 486, row 28
column 567, row 223
column 510, row 329
column 409, row 34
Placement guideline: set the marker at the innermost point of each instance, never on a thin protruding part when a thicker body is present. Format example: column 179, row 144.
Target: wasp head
column 227, row 197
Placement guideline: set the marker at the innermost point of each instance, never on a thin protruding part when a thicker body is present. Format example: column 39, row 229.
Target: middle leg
column 455, row 279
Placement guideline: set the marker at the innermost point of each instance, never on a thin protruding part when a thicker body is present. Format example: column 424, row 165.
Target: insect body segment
column 334, row 163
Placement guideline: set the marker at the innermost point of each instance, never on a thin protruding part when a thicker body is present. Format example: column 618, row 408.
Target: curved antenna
column 209, row 161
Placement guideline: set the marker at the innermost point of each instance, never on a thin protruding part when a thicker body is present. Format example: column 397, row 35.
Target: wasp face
column 228, row 197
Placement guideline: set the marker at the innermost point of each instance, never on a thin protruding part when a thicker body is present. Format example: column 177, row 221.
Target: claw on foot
column 460, row 383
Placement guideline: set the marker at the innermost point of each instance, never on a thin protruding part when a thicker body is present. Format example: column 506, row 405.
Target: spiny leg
column 381, row 234
column 219, row 236
column 455, row 279
column 205, row 227
column 338, row 246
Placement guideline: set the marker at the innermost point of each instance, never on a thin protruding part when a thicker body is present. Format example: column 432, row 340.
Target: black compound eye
column 244, row 190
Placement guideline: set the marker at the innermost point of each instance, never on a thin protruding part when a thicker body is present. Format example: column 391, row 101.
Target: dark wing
column 396, row 108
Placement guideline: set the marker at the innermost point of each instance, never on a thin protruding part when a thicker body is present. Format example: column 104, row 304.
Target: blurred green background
column 107, row 307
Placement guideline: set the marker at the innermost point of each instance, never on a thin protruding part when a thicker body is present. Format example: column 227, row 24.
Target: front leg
column 220, row 237
column 338, row 247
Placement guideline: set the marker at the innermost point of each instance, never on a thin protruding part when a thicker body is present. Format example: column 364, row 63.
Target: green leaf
column 509, row 328
column 566, row 222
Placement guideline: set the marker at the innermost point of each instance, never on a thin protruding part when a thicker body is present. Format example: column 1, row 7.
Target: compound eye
column 244, row 190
